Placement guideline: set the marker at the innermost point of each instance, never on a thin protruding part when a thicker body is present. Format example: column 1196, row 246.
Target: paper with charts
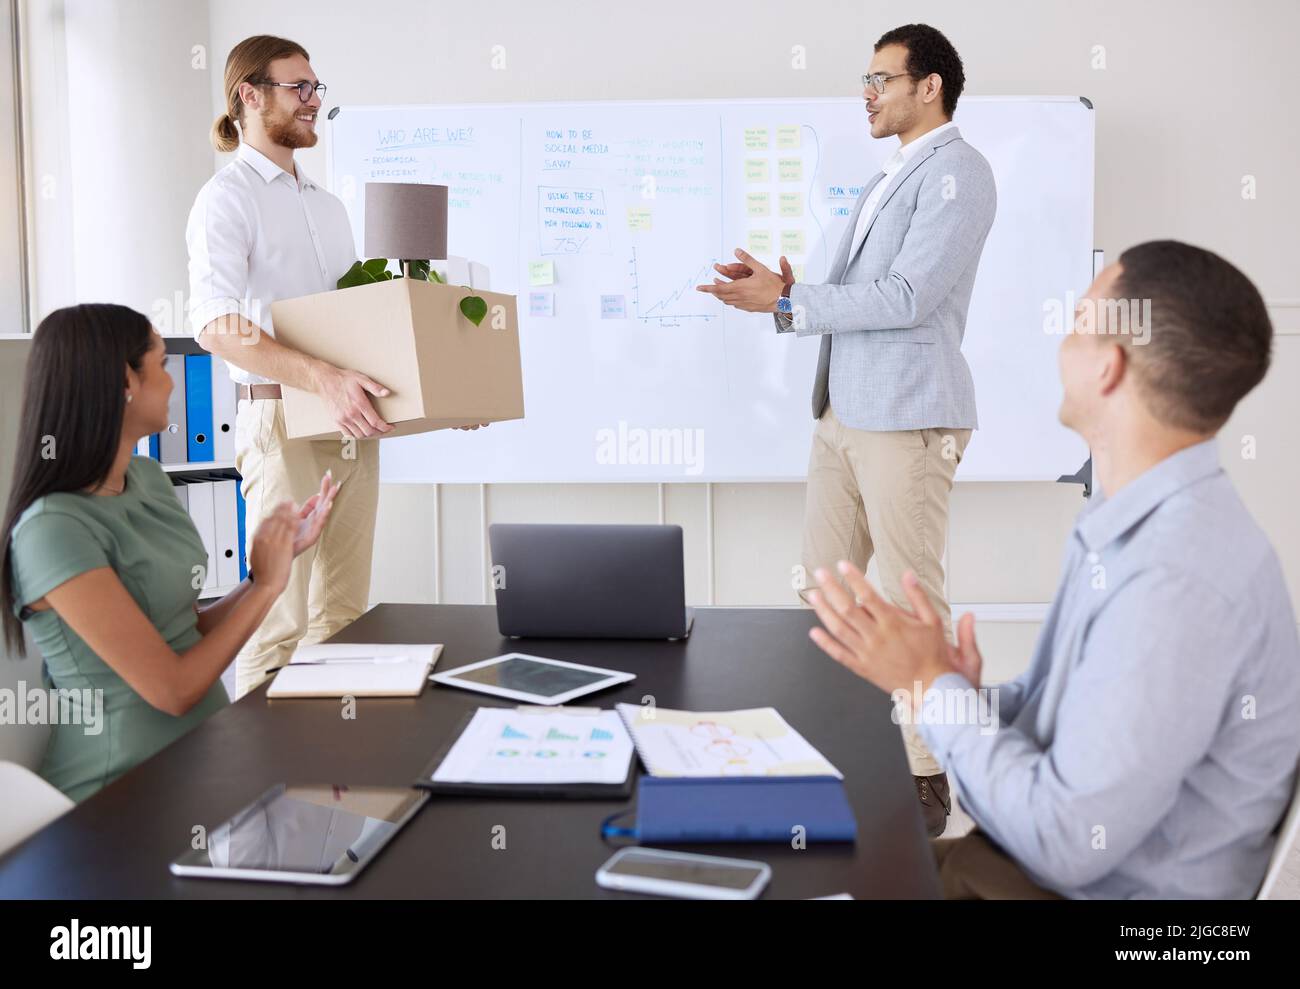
column 757, row 742
column 514, row 745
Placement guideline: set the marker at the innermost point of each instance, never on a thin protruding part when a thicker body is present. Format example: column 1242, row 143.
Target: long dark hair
column 74, row 399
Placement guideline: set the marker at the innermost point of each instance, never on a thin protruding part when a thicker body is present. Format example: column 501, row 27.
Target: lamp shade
column 406, row 221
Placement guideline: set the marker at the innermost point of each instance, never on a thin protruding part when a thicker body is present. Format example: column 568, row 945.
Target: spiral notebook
column 337, row 669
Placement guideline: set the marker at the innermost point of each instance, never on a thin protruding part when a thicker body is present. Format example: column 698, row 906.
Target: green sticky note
column 792, row 242
column 791, row 203
column 755, row 138
column 787, row 137
column 790, row 169
column 541, row 272
column 756, row 170
column 638, row 217
column 758, row 204
column 759, row 242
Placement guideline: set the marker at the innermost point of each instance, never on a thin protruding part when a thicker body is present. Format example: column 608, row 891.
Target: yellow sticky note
column 787, row 137
column 541, row 272
column 798, row 272
column 756, row 170
column 791, row 203
column 758, row 204
column 638, row 217
column 755, row 138
column 792, row 242
column 790, row 169
column 760, row 242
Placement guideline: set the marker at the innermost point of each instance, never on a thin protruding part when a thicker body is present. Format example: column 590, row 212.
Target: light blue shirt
column 1150, row 750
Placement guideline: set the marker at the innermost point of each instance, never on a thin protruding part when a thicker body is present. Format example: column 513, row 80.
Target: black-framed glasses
column 877, row 80
column 305, row 89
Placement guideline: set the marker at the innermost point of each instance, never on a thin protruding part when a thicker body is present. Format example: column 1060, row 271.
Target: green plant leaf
column 417, row 269
column 356, row 275
column 474, row 308
column 376, row 267
column 435, row 277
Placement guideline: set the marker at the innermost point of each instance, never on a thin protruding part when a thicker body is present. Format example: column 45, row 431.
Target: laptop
column 590, row 581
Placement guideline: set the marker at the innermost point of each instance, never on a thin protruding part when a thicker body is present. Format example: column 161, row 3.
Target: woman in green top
column 103, row 563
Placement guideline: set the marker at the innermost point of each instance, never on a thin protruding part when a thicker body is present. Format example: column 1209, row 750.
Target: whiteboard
column 632, row 375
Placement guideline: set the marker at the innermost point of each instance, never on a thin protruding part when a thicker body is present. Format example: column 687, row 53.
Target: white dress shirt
column 892, row 166
column 256, row 234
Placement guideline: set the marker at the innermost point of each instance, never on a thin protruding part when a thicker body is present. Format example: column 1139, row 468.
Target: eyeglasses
column 877, row 80
column 305, row 89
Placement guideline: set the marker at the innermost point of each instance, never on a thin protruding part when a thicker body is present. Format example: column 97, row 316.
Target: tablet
column 321, row 835
column 534, row 679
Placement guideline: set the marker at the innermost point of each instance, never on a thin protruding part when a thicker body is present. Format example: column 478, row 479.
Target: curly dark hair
column 929, row 51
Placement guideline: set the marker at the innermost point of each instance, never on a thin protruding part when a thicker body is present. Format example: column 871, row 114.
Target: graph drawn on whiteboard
column 679, row 301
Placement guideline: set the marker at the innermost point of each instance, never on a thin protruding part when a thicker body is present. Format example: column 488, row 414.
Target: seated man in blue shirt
column 1150, row 749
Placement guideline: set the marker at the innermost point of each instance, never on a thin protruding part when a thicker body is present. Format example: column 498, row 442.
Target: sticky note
column 798, row 272
column 613, row 307
column 790, row 169
column 787, row 137
column 755, row 138
column 758, row 204
column 638, row 217
column 541, row 303
column 792, row 242
column 791, row 203
column 759, row 242
column 756, row 170
column 541, row 272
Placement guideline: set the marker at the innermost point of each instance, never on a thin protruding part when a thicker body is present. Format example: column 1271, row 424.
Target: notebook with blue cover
column 682, row 809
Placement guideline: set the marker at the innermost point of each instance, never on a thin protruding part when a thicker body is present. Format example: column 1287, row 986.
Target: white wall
column 1173, row 145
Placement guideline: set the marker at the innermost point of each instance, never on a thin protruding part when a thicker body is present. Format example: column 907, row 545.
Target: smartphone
column 683, row 875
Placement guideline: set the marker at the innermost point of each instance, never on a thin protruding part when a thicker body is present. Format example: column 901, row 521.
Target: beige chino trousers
column 884, row 494
column 330, row 583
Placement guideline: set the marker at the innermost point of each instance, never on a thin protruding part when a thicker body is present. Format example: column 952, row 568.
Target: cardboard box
column 411, row 337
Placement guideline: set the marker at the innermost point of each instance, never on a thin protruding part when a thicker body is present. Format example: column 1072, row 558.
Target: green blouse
column 148, row 539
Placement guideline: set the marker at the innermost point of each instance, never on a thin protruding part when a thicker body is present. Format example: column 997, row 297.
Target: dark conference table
column 118, row 843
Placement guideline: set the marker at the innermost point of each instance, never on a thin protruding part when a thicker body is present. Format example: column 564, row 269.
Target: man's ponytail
column 225, row 136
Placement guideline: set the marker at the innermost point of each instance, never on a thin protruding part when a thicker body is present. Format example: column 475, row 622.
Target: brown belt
column 258, row 391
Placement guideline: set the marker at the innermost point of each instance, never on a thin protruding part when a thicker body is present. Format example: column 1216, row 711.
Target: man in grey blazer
column 893, row 397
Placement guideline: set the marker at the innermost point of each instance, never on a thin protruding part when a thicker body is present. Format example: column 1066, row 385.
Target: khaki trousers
column 884, row 494
column 973, row 868
column 330, row 583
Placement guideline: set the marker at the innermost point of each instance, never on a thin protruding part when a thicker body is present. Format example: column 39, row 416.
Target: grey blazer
column 892, row 316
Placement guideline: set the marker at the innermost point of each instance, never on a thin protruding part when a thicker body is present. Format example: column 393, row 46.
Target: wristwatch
column 783, row 304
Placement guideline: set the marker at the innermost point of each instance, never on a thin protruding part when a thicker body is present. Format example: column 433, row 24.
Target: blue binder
column 198, row 407
column 677, row 809
column 242, row 524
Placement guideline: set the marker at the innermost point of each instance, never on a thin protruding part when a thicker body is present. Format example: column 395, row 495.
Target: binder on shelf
column 241, row 513
column 223, row 412
column 198, row 408
column 201, row 511
column 226, row 525
column 173, row 441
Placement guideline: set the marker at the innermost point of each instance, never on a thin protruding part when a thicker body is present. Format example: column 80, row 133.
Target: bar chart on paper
column 603, row 217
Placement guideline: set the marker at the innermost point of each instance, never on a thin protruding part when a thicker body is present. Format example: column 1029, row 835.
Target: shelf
column 216, row 592
column 205, row 465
